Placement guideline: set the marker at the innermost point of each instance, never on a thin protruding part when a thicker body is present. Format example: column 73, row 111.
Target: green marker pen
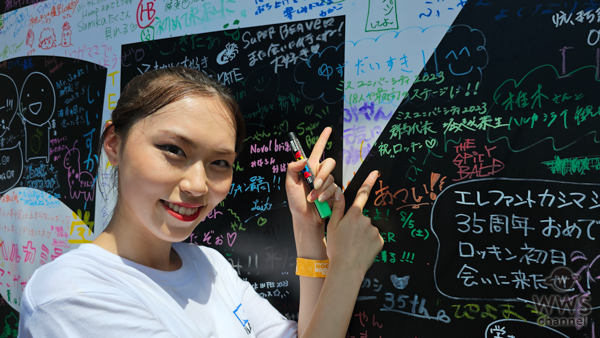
column 323, row 208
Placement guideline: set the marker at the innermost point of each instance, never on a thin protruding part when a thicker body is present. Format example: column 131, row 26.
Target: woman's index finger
column 319, row 147
column 365, row 190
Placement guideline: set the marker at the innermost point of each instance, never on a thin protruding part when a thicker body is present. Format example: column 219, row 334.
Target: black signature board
column 50, row 127
column 50, row 113
column 488, row 182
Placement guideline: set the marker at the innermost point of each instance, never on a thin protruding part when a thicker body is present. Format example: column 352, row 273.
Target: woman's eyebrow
column 176, row 135
column 189, row 142
column 223, row 151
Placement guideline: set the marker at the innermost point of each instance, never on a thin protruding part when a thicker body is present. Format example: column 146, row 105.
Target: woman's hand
column 299, row 195
column 326, row 304
column 352, row 241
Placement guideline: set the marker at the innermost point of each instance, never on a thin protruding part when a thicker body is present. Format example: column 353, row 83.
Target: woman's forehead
column 193, row 117
column 205, row 109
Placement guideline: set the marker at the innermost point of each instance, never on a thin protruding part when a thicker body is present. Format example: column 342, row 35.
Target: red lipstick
column 184, row 218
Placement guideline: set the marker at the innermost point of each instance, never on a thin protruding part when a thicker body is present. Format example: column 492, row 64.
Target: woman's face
column 176, row 166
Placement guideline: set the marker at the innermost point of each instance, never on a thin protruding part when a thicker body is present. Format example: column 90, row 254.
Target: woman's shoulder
column 81, row 270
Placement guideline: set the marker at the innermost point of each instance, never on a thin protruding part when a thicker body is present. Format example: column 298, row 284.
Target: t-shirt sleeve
column 266, row 321
column 90, row 315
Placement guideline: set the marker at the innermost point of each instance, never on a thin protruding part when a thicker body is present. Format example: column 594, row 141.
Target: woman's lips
column 184, row 218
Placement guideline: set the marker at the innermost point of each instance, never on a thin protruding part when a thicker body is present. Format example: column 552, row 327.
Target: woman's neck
column 126, row 240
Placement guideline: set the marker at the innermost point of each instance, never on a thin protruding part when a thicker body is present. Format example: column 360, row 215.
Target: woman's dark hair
column 153, row 90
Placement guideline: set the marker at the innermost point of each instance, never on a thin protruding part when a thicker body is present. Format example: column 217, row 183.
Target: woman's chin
column 176, row 233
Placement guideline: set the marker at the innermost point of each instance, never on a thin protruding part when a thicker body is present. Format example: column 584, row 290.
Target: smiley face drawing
column 37, row 104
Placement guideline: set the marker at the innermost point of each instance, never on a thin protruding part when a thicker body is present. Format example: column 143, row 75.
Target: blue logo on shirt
column 240, row 314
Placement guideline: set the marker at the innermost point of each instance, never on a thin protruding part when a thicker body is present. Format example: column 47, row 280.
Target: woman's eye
column 222, row 164
column 175, row 150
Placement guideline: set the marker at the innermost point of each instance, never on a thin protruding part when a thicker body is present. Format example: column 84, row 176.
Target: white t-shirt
column 90, row 292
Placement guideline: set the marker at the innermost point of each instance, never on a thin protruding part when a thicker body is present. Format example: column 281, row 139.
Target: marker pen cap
column 323, row 209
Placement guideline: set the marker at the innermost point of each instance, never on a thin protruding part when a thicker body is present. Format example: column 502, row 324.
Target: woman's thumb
column 293, row 169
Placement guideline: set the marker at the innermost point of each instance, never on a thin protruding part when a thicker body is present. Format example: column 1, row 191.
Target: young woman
column 173, row 138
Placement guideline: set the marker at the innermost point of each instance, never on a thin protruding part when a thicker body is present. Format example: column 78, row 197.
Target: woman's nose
column 194, row 181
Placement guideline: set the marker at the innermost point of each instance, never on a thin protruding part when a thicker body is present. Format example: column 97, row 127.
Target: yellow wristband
column 312, row 268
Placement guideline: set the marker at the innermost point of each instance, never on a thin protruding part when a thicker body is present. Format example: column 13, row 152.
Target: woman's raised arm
column 326, row 304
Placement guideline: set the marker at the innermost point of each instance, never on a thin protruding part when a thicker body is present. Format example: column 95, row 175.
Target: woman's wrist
column 350, row 273
column 310, row 241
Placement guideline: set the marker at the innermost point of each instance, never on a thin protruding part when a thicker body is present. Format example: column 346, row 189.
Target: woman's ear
column 111, row 143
